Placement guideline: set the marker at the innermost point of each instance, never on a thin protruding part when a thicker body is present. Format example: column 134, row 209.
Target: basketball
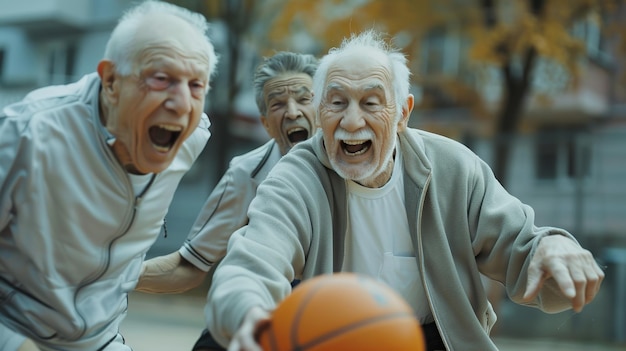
column 343, row 311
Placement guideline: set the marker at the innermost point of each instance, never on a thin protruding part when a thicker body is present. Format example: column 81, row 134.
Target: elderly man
column 283, row 85
column 415, row 210
column 87, row 172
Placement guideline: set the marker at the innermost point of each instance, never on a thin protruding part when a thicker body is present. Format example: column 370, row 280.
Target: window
column 60, row 65
column 441, row 52
column 588, row 30
column 562, row 155
column 547, row 159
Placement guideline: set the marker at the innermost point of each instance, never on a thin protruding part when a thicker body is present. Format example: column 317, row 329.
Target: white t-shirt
column 140, row 182
column 378, row 243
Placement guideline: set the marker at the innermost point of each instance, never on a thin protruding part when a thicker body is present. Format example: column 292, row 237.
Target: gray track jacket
column 461, row 219
column 226, row 209
column 72, row 233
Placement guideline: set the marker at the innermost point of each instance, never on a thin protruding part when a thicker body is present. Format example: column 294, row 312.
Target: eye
column 373, row 104
column 337, row 101
column 276, row 105
column 197, row 87
column 158, row 81
column 305, row 100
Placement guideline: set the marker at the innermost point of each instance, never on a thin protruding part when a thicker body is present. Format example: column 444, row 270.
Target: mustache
column 362, row 134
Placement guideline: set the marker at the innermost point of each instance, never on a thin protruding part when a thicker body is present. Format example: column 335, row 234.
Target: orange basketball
column 342, row 312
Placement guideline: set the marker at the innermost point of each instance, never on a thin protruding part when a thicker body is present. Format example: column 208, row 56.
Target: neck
column 381, row 178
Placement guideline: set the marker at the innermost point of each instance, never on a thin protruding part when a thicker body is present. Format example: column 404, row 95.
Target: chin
column 154, row 167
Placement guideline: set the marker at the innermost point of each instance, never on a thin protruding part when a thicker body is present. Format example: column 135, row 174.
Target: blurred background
column 537, row 88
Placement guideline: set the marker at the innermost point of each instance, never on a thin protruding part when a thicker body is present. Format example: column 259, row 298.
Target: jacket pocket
column 26, row 313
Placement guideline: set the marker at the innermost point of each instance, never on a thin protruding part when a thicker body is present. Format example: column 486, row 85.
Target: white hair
column 373, row 41
column 121, row 49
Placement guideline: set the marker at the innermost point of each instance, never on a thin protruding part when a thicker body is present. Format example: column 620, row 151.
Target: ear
column 406, row 112
column 106, row 71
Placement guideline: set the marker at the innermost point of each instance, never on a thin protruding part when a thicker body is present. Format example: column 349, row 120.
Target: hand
column 169, row 274
column 573, row 268
column 245, row 337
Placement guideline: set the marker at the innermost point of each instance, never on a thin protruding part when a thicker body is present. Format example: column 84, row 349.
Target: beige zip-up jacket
column 462, row 222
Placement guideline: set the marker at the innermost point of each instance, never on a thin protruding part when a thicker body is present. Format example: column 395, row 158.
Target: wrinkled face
column 358, row 118
column 290, row 114
column 153, row 110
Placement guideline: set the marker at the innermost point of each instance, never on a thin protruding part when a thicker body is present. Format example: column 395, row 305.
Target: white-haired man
column 87, row 172
column 415, row 210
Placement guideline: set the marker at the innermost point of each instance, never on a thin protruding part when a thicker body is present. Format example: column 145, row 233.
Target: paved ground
column 173, row 323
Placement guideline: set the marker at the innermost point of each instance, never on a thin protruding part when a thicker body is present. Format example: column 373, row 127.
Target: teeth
column 360, row 152
column 161, row 148
column 354, row 142
column 170, row 127
column 297, row 129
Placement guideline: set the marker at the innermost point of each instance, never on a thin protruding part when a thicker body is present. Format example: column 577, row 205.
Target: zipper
column 128, row 221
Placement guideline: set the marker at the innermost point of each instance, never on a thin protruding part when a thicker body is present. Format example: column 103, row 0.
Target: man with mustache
column 87, row 173
column 417, row 211
column 284, row 96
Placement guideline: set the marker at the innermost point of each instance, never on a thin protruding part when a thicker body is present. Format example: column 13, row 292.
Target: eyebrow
column 301, row 90
column 369, row 87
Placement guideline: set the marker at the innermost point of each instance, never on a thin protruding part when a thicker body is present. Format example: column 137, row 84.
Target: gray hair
column 373, row 41
column 120, row 48
column 280, row 63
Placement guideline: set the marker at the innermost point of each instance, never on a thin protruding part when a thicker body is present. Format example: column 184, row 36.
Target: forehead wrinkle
column 301, row 90
column 156, row 59
column 376, row 86
column 275, row 94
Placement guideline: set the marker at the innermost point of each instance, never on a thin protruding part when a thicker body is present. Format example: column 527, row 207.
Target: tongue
column 353, row 148
column 160, row 136
column 298, row 136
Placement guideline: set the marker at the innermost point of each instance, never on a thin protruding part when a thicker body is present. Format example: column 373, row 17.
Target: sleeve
column 224, row 211
column 13, row 156
column 265, row 255
column 10, row 340
column 506, row 238
column 195, row 143
column 200, row 136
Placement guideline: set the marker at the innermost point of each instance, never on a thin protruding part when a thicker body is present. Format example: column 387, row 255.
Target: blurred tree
column 511, row 36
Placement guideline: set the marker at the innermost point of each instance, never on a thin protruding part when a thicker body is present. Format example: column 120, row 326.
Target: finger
column 581, row 283
column 535, row 280
column 595, row 276
column 564, row 278
column 247, row 342
column 234, row 345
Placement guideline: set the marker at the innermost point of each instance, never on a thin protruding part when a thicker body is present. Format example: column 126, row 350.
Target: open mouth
column 355, row 147
column 297, row 135
column 164, row 136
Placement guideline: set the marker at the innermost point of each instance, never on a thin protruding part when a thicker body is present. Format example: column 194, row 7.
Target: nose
column 352, row 120
column 293, row 112
column 179, row 99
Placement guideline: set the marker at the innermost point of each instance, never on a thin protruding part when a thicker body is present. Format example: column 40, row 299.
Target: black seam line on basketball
column 341, row 330
column 298, row 316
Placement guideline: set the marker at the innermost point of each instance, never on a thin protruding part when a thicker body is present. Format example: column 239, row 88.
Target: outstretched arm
column 169, row 274
column 573, row 268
